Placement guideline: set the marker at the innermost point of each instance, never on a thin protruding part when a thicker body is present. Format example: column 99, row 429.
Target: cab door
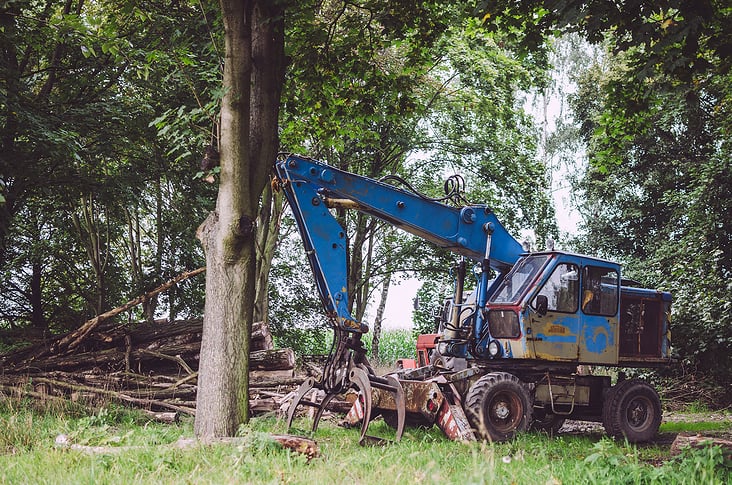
column 599, row 315
column 555, row 335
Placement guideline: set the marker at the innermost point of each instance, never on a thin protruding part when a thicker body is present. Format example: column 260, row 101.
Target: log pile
column 151, row 366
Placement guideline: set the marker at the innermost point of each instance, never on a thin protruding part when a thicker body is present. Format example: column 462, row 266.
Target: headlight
column 494, row 348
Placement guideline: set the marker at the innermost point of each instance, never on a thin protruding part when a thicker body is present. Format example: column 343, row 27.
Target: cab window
column 562, row 289
column 518, row 279
column 599, row 291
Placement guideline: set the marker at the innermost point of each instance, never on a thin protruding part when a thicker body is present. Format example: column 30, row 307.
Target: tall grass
column 139, row 451
column 393, row 345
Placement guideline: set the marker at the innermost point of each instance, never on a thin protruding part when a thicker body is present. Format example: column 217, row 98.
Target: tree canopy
column 108, row 106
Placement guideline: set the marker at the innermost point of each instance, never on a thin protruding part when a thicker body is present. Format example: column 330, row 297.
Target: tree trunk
column 94, row 236
column 268, row 225
column 253, row 78
column 380, row 318
column 38, row 320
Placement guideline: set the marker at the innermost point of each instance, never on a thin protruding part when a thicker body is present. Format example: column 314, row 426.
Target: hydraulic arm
column 312, row 188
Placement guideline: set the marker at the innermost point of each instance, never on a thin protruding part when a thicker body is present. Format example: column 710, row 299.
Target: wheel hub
column 637, row 413
column 501, row 410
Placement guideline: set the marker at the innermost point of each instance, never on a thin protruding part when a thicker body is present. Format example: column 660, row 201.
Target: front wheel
column 498, row 406
column 632, row 410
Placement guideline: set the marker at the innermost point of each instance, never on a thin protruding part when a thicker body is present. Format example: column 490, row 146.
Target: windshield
column 518, row 279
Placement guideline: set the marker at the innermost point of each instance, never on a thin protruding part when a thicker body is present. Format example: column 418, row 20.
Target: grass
column 140, row 451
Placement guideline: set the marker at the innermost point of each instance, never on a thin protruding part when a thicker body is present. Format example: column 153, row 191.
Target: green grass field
column 135, row 450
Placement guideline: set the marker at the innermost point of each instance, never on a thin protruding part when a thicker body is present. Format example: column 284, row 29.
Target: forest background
column 109, row 106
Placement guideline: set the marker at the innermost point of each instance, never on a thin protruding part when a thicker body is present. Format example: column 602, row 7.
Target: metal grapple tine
column 361, row 380
column 401, row 405
column 321, row 409
column 304, row 388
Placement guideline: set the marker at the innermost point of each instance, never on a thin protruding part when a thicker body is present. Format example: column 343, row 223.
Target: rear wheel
column 632, row 410
column 498, row 406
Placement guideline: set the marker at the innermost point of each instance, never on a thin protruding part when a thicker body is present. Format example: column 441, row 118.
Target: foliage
column 140, row 449
column 296, row 317
column 418, row 103
column 654, row 195
column 81, row 83
column 394, row 344
column 479, row 129
column 654, row 114
column 681, row 39
column 430, row 296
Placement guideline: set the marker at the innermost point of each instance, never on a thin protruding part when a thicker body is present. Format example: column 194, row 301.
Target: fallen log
column 164, row 417
column 275, row 359
column 184, row 356
column 261, row 337
column 297, row 444
column 698, row 441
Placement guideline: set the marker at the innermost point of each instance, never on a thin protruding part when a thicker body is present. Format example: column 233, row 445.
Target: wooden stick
column 115, row 395
column 72, row 340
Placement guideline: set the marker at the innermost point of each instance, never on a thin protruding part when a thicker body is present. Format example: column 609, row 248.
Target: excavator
column 527, row 340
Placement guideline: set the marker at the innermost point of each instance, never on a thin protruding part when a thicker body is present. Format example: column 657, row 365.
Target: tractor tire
column 632, row 410
column 498, row 406
column 546, row 421
column 606, row 418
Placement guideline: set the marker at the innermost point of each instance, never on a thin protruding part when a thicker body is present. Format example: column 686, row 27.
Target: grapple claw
column 360, row 379
column 304, row 388
column 321, row 408
column 400, row 405
column 368, row 386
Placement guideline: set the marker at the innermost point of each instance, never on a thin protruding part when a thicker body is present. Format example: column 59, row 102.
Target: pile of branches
column 151, row 366
column 692, row 388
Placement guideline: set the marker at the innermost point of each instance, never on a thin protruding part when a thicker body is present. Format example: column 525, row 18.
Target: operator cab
column 564, row 307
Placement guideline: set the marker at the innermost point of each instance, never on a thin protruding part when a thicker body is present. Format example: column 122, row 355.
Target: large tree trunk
column 253, row 78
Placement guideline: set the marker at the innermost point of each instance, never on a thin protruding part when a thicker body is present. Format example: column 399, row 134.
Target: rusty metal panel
column 554, row 336
column 563, row 393
column 599, row 340
column 424, row 398
column 453, row 422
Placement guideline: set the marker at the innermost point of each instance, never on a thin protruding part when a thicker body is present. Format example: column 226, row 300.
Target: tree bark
column 380, row 318
column 253, row 78
column 268, row 225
